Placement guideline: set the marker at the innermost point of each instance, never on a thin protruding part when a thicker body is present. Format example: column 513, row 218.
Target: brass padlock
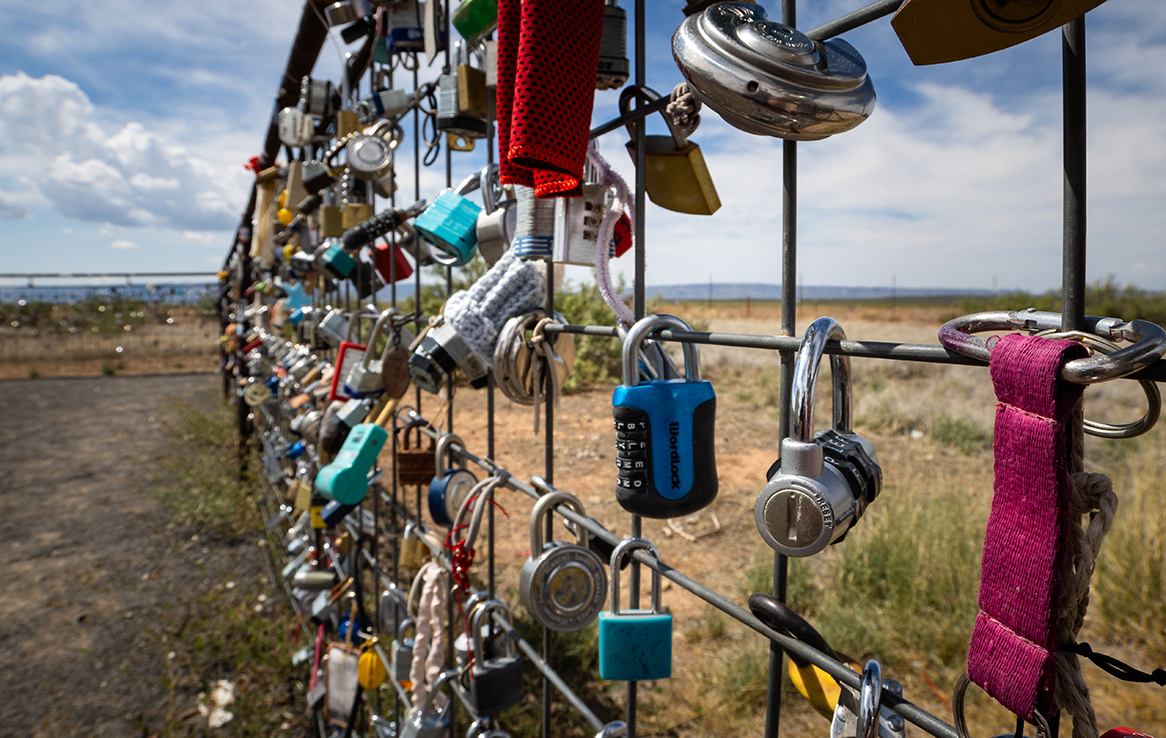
column 415, row 465
column 347, row 121
column 331, row 222
column 676, row 176
column 355, row 213
column 471, row 91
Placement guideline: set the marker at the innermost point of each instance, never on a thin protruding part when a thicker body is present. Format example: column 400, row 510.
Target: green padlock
column 473, row 19
column 345, row 480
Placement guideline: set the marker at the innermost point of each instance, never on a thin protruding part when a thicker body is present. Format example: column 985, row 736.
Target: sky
column 125, row 125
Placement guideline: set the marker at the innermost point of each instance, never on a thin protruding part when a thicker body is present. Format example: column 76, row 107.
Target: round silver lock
column 565, row 586
column 369, row 157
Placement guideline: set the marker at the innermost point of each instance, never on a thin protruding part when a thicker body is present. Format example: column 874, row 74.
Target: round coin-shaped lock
column 369, row 157
column 564, row 586
column 256, row 394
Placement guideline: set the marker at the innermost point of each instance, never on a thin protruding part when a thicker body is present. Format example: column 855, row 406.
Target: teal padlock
column 450, row 227
column 335, row 261
column 634, row 645
column 345, row 480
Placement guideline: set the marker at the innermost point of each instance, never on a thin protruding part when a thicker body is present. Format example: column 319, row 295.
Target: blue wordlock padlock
column 450, row 226
column 345, row 480
column 634, row 645
column 665, row 452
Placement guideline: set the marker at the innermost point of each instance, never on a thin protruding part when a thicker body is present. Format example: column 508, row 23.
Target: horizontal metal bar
column 836, row 669
column 850, row 21
column 615, row 123
column 95, row 275
column 921, row 352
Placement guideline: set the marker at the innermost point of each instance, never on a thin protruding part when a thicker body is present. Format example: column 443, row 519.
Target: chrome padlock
column 296, row 127
column 860, row 714
column 675, row 172
column 440, row 352
column 769, row 79
column 429, row 722
column 333, row 328
column 665, row 432
column 498, row 219
column 365, row 379
column 495, row 682
column 613, row 48
column 562, row 585
column 512, row 356
column 822, row 483
column 449, row 488
column 318, row 98
column 534, row 228
column 403, row 653
column 369, row 158
column 449, row 225
column 634, row 645
column 460, row 119
column 387, row 104
column 577, row 221
column 393, row 608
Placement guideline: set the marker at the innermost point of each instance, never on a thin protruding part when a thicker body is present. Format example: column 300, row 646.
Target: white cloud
column 130, row 178
column 12, row 209
column 124, row 245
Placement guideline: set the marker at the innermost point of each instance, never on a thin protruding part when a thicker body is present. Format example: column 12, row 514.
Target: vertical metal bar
column 1073, row 256
column 417, row 272
column 549, row 466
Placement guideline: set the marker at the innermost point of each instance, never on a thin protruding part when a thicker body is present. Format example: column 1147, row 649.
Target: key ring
column 1153, row 396
column 961, row 722
column 1149, row 341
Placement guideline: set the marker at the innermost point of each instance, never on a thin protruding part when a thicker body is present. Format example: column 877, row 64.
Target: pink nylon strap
column 1011, row 655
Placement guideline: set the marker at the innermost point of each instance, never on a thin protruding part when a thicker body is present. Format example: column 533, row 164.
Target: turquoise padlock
column 345, row 480
column 450, row 227
column 634, row 645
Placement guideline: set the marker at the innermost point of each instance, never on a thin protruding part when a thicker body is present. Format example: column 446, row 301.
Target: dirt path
column 94, row 571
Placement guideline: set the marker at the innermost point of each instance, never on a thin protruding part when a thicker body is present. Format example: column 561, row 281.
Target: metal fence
column 391, row 500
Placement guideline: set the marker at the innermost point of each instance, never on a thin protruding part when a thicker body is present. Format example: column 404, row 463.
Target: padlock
column 333, row 260
column 388, row 104
column 345, row 480
column 473, row 19
column 492, row 636
column 495, row 682
column 333, row 328
column 413, row 549
column 348, row 355
column 613, row 48
column 368, row 157
column 295, row 127
column 371, row 670
column 390, row 258
column 821, row 484
column 577, row 221
column 440, row 352
column 403, row 653
column 354, row 213
column 861, row 714
column 634, row 645
column 338, row 421
column 393, row 608
column 451, row 485
column 395, row 359
column 331, row 222
column 318, row 98
column 345, row 11
column 428, row 722
column 769, row 79
column 449, row 225
column 499, row 217
column 665, row 441
column 375, row 226
column 451, row 119
column 513, row 351
column 562, row 585
column 696, row 6
column 347, row 124
column 534, row 228
column 472, row 99
column 675, row 173
column 364, row 379
column 382, row 727
column 415, row 465
column 403, row 26
column 315, row 581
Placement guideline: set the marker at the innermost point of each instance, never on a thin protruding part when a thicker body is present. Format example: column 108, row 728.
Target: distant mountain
column 732, row 291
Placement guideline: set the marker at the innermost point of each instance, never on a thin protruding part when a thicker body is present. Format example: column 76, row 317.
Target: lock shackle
column 486, row 608
column 469, row 184
column 354, row 322
column 544, row 507
column 648, row 94
column 614, row 729
column 405, row 625
column 870, row 694
column 427, row 705
column 805, row 380
column 376, row 331
column 625, row 548
column 443, row 444
column 490, row 184
column 640, row 331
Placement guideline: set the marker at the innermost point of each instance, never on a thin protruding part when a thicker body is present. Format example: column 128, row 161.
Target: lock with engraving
column 450, row 487
column 513, row 352
column 769, row 79
column 449, row 225
column 665, row 452
column 634, row 645
column 613, row 48
column 821, row 484
column 675, row 175
column 495, row 681
column 562, row 585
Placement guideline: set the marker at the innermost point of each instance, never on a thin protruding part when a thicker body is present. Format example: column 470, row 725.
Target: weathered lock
column 413, row 549
column 442, row 350
column 634, row 645
column 295, row 127
column 368, row 157
column 675, row 173
column 822, row 483
column 415, row 465
column 364, row 379
column 429, row 722
column 449, row 225
column 577, row 221
column 345, row 480
column 665, row 442
column 613, row 48
column 861, row 714
column 333, row 328
column 472, row 99
column 473, row 19
column 769, row 79
column 255, row 393
column 513, row 353
column 395, row 359
column 450, row 485
column 457, row 118
column 562, row 585
column 495, row 682
column 403, row 653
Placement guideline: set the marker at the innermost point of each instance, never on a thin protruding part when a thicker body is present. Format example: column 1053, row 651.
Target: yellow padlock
column 331, row 222
column 315, row 506
column 301, row 492
column 471, row 91
column 370, row 670
column 676, row 176
column 355, row 213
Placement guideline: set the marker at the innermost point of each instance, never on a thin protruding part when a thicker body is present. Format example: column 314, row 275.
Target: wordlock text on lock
column 769, row 79
column 634, row 645
column 676, row 176
column 665, row 452
column 562, row 585
column 821, row 484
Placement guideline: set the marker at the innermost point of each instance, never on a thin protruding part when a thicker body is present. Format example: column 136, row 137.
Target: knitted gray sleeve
column 511, row 287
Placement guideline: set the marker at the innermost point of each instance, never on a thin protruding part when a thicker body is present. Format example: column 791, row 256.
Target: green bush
column 1105, row 297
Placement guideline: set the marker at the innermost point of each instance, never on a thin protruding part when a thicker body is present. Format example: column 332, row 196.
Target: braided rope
column 684, row 110
column 542, row 358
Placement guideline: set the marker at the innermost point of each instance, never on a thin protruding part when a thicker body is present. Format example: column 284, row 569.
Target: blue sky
column 124, row 127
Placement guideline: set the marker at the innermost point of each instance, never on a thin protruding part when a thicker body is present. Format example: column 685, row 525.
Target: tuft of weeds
column 108, row 369
column 966, row 437
column 34, row 373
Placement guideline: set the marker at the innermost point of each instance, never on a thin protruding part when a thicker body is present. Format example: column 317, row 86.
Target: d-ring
column 1153, row 396
column 961, row 722
column 1149, row 341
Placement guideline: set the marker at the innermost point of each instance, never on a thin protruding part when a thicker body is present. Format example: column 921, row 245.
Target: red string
column 252, row 164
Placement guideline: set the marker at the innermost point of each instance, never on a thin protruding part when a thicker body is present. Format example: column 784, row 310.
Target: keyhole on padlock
column 793, row 518
column 1017, row 11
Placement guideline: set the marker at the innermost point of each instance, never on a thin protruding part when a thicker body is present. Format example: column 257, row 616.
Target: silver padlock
column 402, row 652
column 822, row 483
column 364, row 380
column 861, row 714
column 577, row 221
column 388, row 104
column 393, row 608
column 428, row 722
column 481, row 729
column 534, row 228
column 499, row 217
column 452, row 115
column 333, row 328
column 368, row 157
column 317, row 97
column 513, row 351
column 613, row 48
column 562, row 585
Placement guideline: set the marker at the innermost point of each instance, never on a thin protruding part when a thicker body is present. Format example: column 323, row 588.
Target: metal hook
column 961, row 722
